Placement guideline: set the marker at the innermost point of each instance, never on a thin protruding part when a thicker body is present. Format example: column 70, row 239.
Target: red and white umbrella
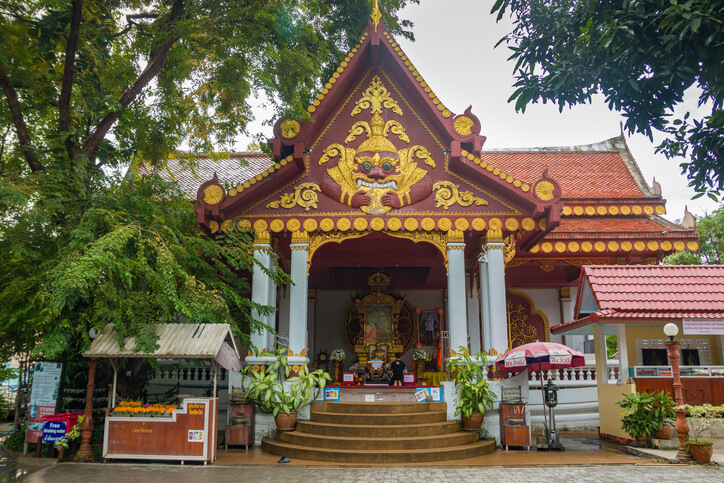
column 539, row 356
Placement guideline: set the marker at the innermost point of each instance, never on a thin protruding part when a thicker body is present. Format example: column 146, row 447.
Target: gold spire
column 376, row 15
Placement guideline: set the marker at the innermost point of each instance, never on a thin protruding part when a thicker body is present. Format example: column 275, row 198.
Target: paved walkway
column 79, row 473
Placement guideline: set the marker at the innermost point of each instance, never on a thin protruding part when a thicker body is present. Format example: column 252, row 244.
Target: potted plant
column 420, row 356
column 474, row 394
column 639, row 419
column 664, row 413
column 338, row 355
column 269, row 391
column 699, row 419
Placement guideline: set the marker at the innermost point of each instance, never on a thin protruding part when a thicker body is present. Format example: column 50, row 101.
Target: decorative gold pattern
column 546, row 266
column 376, row 14
column 528, row 224
column 290, row 128
column 463, row 125
column 213, row 226
column 262, row 237
column 213, row 194
column 525, row 187
column 375, row 98
column 447, row 194
column 316, row 241
column 394, row 224
column 544, row 190
column 276, row 225
column 433, row 237
column 509, row 250
column 327, row 224
column 533, row 311
column 304, row 195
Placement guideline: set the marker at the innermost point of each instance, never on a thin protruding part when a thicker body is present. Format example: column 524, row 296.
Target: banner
column 43, row 397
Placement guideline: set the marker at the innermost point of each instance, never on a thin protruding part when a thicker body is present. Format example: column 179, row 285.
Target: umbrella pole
column 543, row 401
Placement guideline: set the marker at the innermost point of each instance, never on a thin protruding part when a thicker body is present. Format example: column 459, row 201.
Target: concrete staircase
column 378, row 433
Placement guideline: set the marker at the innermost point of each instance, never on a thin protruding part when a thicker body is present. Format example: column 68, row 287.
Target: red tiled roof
column 236, row 168
column 585, row 174
column 610, row 225
column 684, row 288
column 651, row 292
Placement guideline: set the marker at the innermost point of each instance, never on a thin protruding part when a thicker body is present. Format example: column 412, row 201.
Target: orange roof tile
column 609, row 225
column 602, row 175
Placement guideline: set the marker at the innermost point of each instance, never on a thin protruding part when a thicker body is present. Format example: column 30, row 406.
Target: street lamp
column 682, row 430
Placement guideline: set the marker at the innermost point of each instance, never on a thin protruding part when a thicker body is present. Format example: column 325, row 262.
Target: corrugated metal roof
column 178, row 341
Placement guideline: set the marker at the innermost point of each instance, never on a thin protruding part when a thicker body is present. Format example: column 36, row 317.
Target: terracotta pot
column 701, row 452
column 664, row 433
column 286, row 422
column 473, row 423
column 642, row 440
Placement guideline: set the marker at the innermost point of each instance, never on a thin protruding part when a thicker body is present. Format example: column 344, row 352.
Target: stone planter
column 286, row 422
column 473, row 423
column 701, row 452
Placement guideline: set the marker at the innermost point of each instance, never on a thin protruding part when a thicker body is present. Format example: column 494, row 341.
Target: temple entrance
column 367, row 291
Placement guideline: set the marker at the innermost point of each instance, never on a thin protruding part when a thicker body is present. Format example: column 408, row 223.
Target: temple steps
column 378, row 433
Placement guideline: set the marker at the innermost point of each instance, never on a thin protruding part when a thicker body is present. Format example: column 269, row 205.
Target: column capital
column 300, row 238
column 262, row 238
column 455, row 236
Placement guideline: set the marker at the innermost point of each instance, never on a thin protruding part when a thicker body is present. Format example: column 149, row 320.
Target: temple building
column 398, row 228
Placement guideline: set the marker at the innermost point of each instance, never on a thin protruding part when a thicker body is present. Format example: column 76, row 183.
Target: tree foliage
column 92, row 86
column 711, row 242
column 642, row 55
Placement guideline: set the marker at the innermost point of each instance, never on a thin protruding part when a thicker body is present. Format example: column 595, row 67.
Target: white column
column 622, row 353
column 484, row 296
column 456, row 303
column 261, row 286
column 599, row 331
column 496, row 296
column 298, row 298
column 566, row 306
column 473, row 314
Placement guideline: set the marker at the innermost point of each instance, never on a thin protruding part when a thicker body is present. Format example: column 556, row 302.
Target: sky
column 454, row 51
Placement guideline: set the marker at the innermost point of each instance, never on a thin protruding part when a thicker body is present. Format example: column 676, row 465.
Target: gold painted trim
column 534, row 311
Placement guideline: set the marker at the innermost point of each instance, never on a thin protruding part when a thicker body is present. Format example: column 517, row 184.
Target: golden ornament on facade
column 649, row 210
column 290, row 128
column 578, row 210
column 262, row 237
column 376, row 15
column 243, row 225
column 444, row 224
column 544, row 190
column 411, row 224
column 276, row 225
column 213, row 194
column 692, row 246
column 679, row 245
column 587, row 246
column 327, row 224
column 344, row 224
column 228, row 226
column 590, row 210
column 377, row 224
column 394, row 224
column 428, row 224
column 528, row 224
column 310, row 224
column 573, row 246
column 626, row 246
column 509, row 249
column 294, row 224
column 447, row 194
column 213, row 226
column 543, row 223
column 455, row 236
column 560, row 247
column 599, row 246
column 434, row 238
column 464, row 125
column 636, row 210
column 639, row 246
column 613, row 210
column 660, row 210
column 374, row 98
column 625, row 210
column 567, row 211
column 300, row 237
column 613, row 246
column 462, row 224
column 304, row 195
column 652, row 245
column 546, row 266
column 495, row 224
column 260, row 225
column 511, row 224
column 666, row 245
column 547, row 247
column 478, row 224
column 360, row 224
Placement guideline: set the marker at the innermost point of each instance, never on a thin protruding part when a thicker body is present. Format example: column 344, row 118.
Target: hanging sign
column 703, row 326
column 515, row 359
column 559, row 357
column 43, row 397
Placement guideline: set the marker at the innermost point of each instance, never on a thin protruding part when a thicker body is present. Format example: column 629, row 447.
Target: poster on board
column 43, row 397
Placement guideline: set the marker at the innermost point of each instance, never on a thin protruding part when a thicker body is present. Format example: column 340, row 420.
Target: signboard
column 431, row 394
column 43, row 397
column 369, row 398
column 196, row 435
column 510, row 393
column 515, row 359
column 421, row 395
column 53, row 431
column 408, row 378
column 703, row 326
column 331, row 394
column 348, row 378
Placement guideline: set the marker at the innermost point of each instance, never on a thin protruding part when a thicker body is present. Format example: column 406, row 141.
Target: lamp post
column 682, row 430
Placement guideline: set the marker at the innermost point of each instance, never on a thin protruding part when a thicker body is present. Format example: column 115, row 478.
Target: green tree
column 93, row 86
column 642, row 55
column 711, row 242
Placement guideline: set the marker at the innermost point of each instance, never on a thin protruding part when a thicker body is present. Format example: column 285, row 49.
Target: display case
column 188, row 434
column 238, row 433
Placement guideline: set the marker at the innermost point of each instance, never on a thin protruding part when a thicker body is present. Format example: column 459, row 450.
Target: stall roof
column 646, row 295
column 176, row 341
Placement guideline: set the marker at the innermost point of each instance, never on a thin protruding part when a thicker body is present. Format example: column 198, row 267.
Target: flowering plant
column 337, row 355
column 420, row 355
column 701, row 418
column 126, row 408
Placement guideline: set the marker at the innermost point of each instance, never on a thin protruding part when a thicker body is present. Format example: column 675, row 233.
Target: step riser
column 379, row 419
column 311, row 441
column 379, row 432
column 389, row 457
column 377, row 407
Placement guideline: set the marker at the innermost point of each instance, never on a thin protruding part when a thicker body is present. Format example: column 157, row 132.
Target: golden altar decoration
column 379, row 323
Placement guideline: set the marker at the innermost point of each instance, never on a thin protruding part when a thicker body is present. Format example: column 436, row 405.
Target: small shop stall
column 187, row 432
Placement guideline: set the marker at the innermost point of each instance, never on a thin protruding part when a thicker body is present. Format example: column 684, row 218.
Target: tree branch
column 154, row 66
column 68, row 71
column 20, row 126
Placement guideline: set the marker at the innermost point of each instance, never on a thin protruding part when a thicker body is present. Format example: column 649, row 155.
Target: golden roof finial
column 376, row 15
